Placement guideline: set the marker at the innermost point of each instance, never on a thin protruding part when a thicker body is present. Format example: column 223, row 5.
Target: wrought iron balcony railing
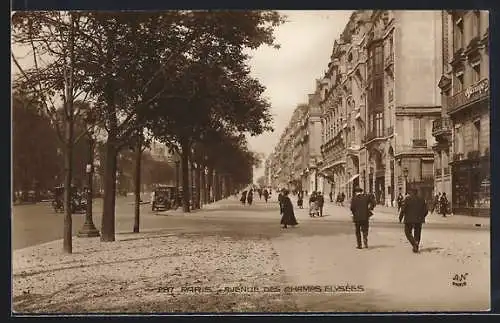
column 378, row 134
column 441, row 126
column 476, row 92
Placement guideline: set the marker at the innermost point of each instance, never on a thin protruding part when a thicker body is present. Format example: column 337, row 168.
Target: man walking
column 400, row 201
column 414, row 211
column 321, row 202
column 266, row 195
column 443, row 205
column 362, row 206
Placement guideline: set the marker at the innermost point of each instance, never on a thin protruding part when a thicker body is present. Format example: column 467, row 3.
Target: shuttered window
column 419, row 128
column 427, row 169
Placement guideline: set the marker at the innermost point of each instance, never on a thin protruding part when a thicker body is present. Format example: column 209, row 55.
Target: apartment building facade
column 378, row 102
column 294, row 162
column 462, row 152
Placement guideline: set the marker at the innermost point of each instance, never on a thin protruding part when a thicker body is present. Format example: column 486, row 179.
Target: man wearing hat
column 414, row 211
column 362, row 206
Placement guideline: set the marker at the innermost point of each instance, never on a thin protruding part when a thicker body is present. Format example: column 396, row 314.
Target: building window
column 476, row 23
column 353, row 131
column 427, row 168
column 439, row 160
column 379, row 124
column 477, row 135
column 476, row 72
column 378, row 60
column 458, row 84
column 458, row 36
column 459, row 148
column 419, row 128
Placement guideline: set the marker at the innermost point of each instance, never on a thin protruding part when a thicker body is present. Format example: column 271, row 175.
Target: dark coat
column 321, row 200
column 288, row 217
column 361, row 207
column 414, row 210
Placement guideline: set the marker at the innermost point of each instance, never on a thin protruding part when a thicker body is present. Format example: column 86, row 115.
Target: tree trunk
column 203, row 186
column 137, row 184
column 68, row 170
column 108, row 211
column 216, row 186
column 191, row 184
column 68, row 158
column 185, row 176
column 198, row 186
column 210, row 185
column 111, row 148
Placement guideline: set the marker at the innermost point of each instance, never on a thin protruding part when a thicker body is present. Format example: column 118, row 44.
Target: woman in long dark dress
column 250, row 197
column 243, row 198
column 288, row 216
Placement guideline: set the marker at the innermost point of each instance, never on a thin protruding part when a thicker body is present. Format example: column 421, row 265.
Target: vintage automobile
column 78, row 200
column 163, row 198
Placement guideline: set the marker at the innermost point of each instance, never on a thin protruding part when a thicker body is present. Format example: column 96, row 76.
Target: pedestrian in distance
column 414, row 212
column 280, row 200
column 260, row 193
column 321, row 203
column 443, row 205
column 331, row 196
column 250, row 197
column 300, row 199
column 266, row 195
column 313, row 205
column 435, row 203
column 362, row 206
column 287, row 214
column 342, row 198
column 400, row 201
column 243, row 198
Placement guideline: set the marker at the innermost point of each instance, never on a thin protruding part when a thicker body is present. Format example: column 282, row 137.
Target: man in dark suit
column 362, row 206
column 414, row 211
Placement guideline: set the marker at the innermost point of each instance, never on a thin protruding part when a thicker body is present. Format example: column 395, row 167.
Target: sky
column 289, row 73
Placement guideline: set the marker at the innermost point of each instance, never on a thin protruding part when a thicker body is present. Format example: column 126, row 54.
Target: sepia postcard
column 250, row 161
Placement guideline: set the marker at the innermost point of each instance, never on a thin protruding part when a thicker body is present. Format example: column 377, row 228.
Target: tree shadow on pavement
column 33, row 273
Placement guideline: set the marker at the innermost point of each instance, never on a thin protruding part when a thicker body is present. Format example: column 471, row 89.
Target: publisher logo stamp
column 460, row 280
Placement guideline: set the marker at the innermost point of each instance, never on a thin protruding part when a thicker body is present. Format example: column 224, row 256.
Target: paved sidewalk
column 392, row 276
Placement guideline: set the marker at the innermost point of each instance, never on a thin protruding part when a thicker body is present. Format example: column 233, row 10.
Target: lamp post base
column 88, row 231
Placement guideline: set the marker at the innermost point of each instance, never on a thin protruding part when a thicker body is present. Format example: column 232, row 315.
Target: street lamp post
column 89, row 229
column 405, row 174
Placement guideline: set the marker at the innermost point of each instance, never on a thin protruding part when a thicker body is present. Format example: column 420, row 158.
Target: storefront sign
column 474, row 92
column 476, row 89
